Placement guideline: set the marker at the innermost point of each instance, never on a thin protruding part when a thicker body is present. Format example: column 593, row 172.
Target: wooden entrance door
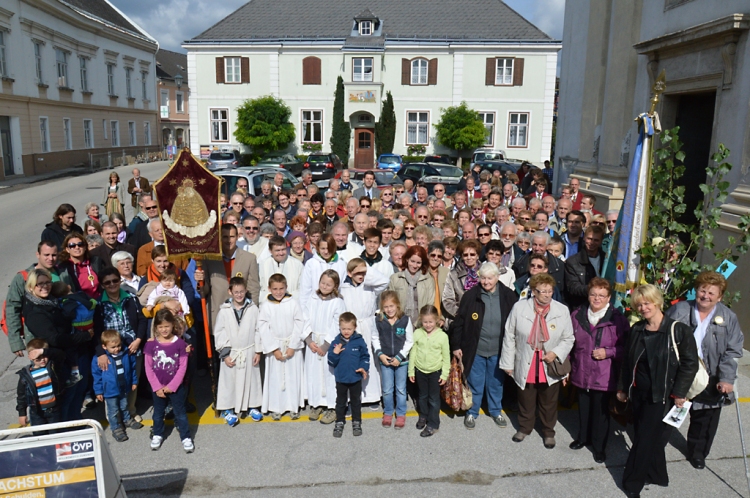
column 364, row 147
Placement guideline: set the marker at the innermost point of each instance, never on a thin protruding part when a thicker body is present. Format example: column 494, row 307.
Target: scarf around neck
column 472, row 278
column 593, row 317
column 539, row 332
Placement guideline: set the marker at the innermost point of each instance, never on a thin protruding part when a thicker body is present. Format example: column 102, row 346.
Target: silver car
column 224, row 159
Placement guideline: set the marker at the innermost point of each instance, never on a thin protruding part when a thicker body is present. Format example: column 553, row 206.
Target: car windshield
column 318, row 158
column 272, row 159
column 384, row 177
column 389, row 159
column 222, row 156
column 488, row 156
column 451, row 171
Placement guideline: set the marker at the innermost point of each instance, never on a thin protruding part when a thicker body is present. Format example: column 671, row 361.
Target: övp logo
column 82, row 447
column 75, row 450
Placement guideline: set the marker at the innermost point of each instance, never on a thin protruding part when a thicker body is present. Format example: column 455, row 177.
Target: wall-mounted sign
column 164, row 111
column 362, row 96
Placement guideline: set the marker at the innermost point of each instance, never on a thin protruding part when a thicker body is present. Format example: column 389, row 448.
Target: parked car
column 383, row 178
column 440, row 159
column 487, row 154
column 280, row 160
column 417, row 171
column 222, row 159
column 323, row 165
column 390, row 162
column 255, row 176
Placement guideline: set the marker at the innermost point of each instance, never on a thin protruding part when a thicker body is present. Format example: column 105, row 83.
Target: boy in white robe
column 279, row 262
column 239, row 388
column 361, row 290
column 281, row 326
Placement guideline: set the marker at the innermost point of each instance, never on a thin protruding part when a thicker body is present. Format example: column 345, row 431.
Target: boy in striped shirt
column 39, row 386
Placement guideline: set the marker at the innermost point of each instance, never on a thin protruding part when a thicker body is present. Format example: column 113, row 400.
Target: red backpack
column 4, row 320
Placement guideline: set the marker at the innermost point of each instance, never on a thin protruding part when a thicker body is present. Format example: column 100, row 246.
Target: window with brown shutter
column 517, row 72
column 245, row 69
column 432, row 72
column 405, row 71
column 220, row 70
column 311, row 71
column 489, row 75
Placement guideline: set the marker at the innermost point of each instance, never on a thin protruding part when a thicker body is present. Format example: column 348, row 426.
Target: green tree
column 340, row 131
column 460, row 128
column 263, row 125
column 385, row 128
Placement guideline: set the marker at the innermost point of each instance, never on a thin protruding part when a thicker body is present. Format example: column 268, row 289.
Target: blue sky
column 173, row 21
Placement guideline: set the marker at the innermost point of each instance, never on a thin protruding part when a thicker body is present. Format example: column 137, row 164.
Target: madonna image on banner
column 188, row 200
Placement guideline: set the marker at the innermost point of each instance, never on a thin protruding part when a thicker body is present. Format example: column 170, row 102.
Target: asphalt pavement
column 296, row 458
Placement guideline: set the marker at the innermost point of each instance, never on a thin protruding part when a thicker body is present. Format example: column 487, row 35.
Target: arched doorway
column 364, row 148
column 166, row 135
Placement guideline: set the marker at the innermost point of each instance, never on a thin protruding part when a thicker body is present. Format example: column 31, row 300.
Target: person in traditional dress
column 281, row 326
column 322, row 313
column 240, row 389
column 114, row 196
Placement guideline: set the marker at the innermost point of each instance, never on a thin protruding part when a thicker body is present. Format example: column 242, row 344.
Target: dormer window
column 365, row 28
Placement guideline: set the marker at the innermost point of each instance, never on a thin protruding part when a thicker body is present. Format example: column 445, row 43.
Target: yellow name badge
column 238, row 274
column 475, row 316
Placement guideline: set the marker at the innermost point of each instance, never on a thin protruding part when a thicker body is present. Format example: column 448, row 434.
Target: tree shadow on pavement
column 158, row 483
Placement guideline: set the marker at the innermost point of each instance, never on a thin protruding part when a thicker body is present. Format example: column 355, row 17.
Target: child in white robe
column 322, row 311
column 239, row 388
column 361, row 291
column 281, row 326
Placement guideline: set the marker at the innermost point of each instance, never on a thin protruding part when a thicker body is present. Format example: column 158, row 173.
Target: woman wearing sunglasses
column 77, row 268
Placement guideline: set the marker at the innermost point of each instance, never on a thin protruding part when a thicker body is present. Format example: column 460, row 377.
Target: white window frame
column 365, row 28
column 115, row 128
column 88, row 134
column 67, row 134
column 490, row 128
column 133, row 137
column 129, row 82
column 44, row 133
column 105, row 127
column 147, row 132
column 504, row 67
column 3, row 59
column 38, row 62
column 84, row 70
column 310, row 121
column 219, row 120
column 362, row 74
column 144, row 85
column 419, row 71
column 517, row 126
column 232, row 70
column 417, row 125
column 61, row 63
column 111, row 79
column 163, row 102
column 179, row 102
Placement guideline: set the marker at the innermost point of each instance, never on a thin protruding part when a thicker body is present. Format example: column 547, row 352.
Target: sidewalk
column 27, row 180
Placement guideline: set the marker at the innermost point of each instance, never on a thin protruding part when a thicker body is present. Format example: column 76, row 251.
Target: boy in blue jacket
column 350, row 360
column 114, row 384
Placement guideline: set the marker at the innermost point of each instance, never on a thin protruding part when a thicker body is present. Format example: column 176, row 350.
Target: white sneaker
column 187, row 445
column 156, row 442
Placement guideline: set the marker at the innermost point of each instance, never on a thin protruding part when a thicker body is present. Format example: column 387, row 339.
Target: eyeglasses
column 149, row 208
column 237, row 203
column 107, row 283
column 408, row 228
column 598, row 296
column 73, row 245
column 252, row 229
column 438, row 190
column 469, row 255
column 44, row 284
column 484, row 235
column 538, row 267
column 507, row 235
column 436, row 255
column 387, row 193
column 544, row 293
column 524, row 219
column 422, row 216
column 600, row 223
column 364, row 205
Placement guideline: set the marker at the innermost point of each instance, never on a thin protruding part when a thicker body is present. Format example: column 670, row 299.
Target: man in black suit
column 539, row 242
column 584, row 266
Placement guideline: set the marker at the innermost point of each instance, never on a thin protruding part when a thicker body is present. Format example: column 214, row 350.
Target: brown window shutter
column 432, row 72
column 306, row 71
column 517, row 72
column 311, row 71
column 220, row 70
column 245, row 69
column 316, row 71
column 489, row 75
column 405, row 72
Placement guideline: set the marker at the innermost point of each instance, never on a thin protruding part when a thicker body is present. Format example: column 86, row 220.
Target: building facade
column 477, row 51
column 173, row 93
column 608, row 69
column 78, row 78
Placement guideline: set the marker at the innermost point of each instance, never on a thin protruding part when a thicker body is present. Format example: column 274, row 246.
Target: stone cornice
column 711, row 34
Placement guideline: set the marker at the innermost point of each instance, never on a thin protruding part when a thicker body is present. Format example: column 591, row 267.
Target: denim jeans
column 486, row 378
column 72, row 399
column 51, row 416
column 394, row 378
column 115, row 406
column 177, row 399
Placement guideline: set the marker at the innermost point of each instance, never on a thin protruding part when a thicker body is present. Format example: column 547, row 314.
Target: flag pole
column 207, row 334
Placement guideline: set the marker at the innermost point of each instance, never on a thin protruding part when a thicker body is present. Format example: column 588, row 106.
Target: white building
column 429, row 55
column 614, row 50
column 78, row 77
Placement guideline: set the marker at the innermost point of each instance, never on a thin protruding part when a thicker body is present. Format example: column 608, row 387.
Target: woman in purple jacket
column 600, row 332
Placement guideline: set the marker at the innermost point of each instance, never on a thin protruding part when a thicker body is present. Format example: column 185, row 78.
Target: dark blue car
column 392, row 162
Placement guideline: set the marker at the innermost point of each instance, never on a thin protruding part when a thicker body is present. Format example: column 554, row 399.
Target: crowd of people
column 364, row 296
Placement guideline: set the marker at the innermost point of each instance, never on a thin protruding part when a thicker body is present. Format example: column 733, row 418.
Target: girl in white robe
column 362, row 300
column 323, row 260
column 322, row 314
column 281, row 326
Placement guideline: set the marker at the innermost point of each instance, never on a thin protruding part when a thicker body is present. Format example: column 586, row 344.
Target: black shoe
column 338, row 429
column 600, row 457
column 428, row 431
column 577, row 445
column 631, row 494
column 698, row 463
column 357, row 428
column 421, row 423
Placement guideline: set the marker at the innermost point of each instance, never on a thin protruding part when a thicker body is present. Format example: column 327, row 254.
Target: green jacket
column 13, row 306
column 430, row 353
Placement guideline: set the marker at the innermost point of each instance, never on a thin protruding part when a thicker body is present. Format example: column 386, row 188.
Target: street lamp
column 178, row 80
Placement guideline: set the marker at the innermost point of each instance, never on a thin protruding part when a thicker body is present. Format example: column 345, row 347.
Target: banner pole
column 207, row 336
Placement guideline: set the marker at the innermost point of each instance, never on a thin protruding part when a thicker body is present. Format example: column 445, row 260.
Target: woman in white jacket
column 537, row 332
column 325, row 258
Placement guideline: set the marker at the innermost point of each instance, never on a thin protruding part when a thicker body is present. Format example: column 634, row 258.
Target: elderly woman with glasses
column 462, row 277
column 537, row 333
column 477, row 339
column 77, row 268
column 121, row 311
column 124, row 262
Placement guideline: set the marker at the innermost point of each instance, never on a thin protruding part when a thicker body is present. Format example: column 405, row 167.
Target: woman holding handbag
column 660, row 363
column 719, row 340
column 600, row 331
column 477, row 337
column 538, row 339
